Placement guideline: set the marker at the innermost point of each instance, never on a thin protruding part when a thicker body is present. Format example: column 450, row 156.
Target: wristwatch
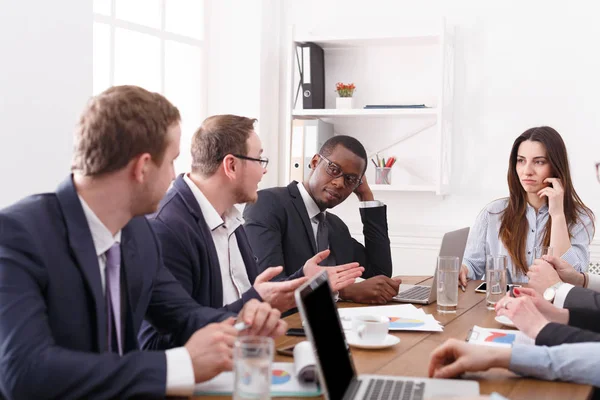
column 550, row 293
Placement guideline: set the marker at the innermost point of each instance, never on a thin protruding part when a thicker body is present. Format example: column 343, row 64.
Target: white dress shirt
column 180, row 372
column 313, row 210
column 233, row 270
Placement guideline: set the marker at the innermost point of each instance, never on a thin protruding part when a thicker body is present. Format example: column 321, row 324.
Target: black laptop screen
column 329, row 340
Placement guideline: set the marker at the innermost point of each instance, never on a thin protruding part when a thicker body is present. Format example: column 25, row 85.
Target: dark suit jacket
column 52, row 307
column 584, row 320
column 189, row 252
column 280, row 233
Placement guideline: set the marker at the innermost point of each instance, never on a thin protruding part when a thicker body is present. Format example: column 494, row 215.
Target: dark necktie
column 113, row 297
column 323, row 236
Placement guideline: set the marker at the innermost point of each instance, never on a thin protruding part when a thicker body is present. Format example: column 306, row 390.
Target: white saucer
column 354, row 341
column 504, row 320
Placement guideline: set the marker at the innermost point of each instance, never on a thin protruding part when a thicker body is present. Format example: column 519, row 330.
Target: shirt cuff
column 561, row 294
column 570, row 256
column 370, row 204
column 180, row 372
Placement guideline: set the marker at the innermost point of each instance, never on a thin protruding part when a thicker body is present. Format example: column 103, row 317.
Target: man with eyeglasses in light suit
column 200, row 229
column 289, row 224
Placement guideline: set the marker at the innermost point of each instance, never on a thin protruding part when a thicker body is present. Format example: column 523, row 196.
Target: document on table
column 497, row 337
column 403, row 317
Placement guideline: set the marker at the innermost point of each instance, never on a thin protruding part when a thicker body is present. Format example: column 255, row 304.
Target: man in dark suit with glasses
column 287, row 225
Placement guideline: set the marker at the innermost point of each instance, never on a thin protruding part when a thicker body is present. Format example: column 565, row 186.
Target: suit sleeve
column 173, row 311
column 264, row 227
column 376, row 254
column 32, row 365
column 554, row 334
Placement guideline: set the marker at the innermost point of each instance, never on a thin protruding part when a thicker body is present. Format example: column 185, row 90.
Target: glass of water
column 495, row 280
column 252, row 362
column 447, row 284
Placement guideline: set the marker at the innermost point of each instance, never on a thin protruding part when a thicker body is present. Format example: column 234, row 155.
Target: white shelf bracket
column 404, row 138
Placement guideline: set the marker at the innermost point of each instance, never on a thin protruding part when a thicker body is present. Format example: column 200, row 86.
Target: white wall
column 243, row 66
column 518, row 65
column 45, row 80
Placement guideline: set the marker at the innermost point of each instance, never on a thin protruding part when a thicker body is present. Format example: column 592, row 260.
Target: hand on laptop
column 339, row 276
column 376, row 290
column 279, row 295
column 455, row 357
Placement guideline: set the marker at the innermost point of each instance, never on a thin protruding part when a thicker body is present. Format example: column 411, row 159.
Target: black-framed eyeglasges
column 264, row 161
column 335, row 171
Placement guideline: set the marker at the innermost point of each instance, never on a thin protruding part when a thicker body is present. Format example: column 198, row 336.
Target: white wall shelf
column 360, row 112
column 404, row 64
column 403, row 188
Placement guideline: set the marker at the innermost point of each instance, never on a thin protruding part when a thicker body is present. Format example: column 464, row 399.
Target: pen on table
column 462, row 287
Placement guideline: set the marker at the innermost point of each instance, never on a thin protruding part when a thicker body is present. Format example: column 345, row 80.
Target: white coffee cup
column 371, row 329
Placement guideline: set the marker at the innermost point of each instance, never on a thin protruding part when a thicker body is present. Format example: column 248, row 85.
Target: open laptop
column 334, row 363
column 453, row 244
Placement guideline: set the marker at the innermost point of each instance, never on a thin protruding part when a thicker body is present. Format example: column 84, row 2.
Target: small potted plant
column 345, row 92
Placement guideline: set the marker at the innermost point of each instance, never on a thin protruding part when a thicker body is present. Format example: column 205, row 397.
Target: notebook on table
column 334, row 363
column 453, row 244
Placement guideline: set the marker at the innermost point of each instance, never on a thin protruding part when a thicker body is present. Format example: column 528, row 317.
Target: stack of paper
column 497, row 337
column 404, row 317
column 284, row 383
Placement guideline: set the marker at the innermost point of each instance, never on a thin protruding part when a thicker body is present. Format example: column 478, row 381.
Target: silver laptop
column 334, row 363
column 453, row 244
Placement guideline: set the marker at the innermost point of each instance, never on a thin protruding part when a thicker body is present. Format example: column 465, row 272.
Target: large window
column 158, row 45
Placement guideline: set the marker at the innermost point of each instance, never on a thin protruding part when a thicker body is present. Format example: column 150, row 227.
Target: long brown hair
column 514, row 226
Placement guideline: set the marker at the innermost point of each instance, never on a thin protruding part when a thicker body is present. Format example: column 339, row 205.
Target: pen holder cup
column 383, row 176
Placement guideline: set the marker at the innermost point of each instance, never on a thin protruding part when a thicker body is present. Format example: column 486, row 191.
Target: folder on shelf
column 297, row 151
column 307, row 138
column 312, row 73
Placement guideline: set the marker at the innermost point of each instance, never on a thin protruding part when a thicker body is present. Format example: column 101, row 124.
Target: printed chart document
column 404, row 317
column 297, row 379
column 498, row 337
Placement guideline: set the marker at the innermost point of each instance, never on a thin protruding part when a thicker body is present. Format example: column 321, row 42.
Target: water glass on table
column 447, row 284
column 252, row 363
column 495, row 279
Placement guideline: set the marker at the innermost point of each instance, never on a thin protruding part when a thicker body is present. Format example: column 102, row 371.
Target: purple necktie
column 113, row 295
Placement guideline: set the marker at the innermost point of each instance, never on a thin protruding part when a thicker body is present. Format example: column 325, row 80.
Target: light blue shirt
column 483, row 240
column 573, row 362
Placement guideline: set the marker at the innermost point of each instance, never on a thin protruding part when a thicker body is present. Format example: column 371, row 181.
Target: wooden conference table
column 411, row 356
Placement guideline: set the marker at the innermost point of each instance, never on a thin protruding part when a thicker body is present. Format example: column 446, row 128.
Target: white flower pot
column 344, row 102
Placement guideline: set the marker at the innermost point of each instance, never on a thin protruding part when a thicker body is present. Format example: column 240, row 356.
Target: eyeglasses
column 335, row 171
column 598, row 171
column 264, row 161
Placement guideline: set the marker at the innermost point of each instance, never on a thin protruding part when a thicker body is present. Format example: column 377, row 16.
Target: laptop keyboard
column 416, row 293
column 384, row 389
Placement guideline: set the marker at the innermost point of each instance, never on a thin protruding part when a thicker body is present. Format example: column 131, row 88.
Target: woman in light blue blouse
column 543, row 209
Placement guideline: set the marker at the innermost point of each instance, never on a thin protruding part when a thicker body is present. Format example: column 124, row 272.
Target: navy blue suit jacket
column 52, row 308
column 280, row 233
column 189, row 252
